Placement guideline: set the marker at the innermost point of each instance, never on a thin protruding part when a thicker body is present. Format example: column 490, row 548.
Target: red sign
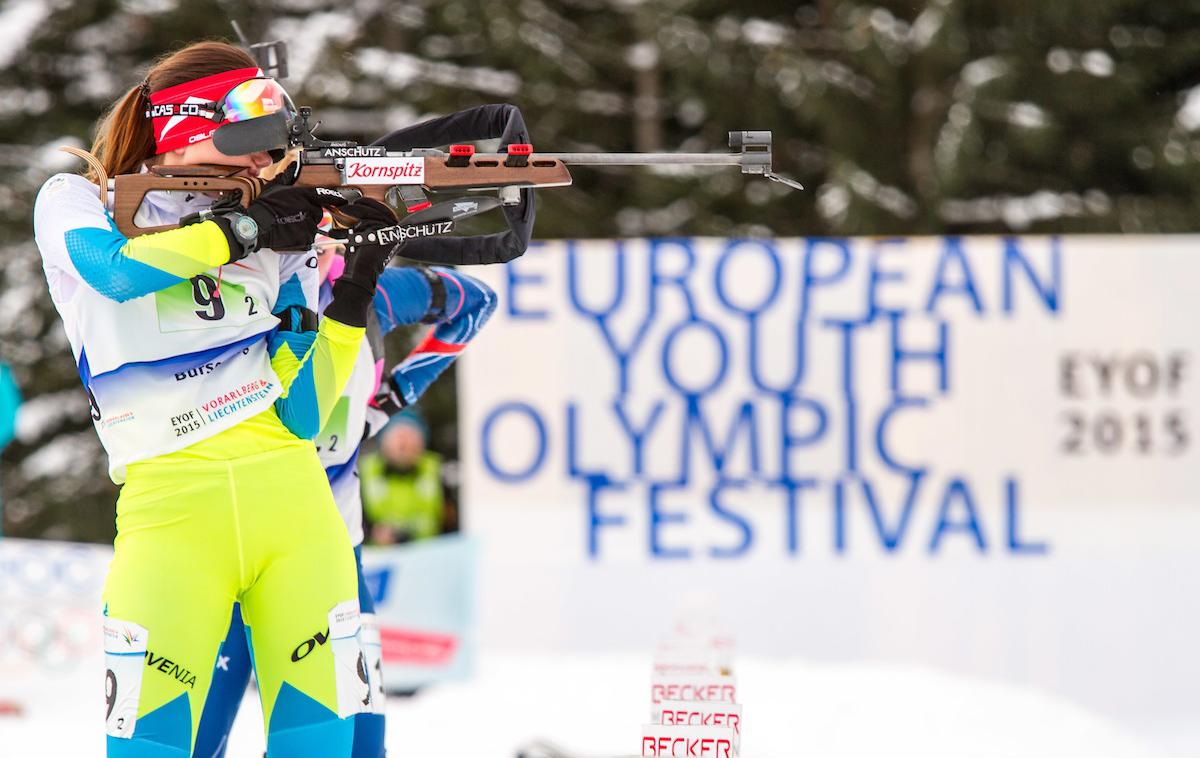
column 417, row 648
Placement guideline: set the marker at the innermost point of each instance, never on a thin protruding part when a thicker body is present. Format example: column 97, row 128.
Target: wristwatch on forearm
column 241, row 230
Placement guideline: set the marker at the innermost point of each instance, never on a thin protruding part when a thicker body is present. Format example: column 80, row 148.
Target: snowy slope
column 596, row 705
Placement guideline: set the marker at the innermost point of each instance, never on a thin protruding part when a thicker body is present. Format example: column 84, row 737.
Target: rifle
column 400, row 168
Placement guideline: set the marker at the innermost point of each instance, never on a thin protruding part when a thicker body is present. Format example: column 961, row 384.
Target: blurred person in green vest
column 403, row 493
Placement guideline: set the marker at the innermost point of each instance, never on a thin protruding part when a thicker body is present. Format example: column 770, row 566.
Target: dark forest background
column 946, row 116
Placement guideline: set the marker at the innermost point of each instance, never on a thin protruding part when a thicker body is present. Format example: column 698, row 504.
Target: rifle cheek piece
column 263, row 134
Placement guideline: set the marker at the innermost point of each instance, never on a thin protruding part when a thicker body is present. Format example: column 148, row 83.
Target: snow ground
column 596, row 705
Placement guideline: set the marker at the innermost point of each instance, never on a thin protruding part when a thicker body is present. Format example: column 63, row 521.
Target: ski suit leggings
column 231, row 675
column 247, row 516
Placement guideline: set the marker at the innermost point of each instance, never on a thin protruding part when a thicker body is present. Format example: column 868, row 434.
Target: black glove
column 287, row 217
column 365, row 261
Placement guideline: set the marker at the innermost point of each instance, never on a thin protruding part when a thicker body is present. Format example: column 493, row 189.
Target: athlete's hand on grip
column 287, row 217
column 366, row 257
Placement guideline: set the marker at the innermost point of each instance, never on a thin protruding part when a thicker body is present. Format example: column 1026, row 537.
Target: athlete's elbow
column 485, row 292
column 117, row 289
column 102, row 259
column 301, row 422
column 486, row 302
column 307, row 431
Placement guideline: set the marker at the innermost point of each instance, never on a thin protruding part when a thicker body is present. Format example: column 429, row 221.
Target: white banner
column 978, row 453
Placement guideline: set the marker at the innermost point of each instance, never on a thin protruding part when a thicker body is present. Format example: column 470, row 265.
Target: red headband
column 175, row 131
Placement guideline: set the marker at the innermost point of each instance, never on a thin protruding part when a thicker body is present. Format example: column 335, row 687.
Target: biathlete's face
column 240, row 110
column 402, row 445
column 205, row 153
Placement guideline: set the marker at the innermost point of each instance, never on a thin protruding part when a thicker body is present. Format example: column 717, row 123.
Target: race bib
column 343, row 430
column 202, row 302
column 333, row 438
column 124, row 657
column 373, row 652
column 349, row 662
column 150, row 409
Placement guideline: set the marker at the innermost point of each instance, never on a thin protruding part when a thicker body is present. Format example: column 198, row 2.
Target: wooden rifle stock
column 482, row 173
column 129, row 190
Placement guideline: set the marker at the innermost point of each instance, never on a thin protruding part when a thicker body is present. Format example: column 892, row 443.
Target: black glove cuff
column 236, row 251
column 351, row 302
column 437, row 298
column 297, row 318
column 390, row 402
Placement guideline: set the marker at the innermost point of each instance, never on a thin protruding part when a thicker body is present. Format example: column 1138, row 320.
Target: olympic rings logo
column 50, row 604
column 30, row 570
column 55, row 639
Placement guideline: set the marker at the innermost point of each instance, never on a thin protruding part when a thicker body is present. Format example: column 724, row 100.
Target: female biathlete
column 459, row 305
column 192, row 348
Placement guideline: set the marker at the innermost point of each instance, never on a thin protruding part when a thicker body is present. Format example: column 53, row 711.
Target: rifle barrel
column 647, row 159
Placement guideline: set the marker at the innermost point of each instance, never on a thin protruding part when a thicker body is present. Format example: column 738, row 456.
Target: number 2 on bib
column 200, row 303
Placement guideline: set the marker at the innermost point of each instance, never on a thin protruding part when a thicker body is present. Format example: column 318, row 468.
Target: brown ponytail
column 124, row 138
